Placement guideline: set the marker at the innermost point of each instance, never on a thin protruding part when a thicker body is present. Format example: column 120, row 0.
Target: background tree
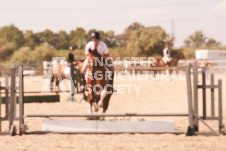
column 197, row 39
column 42, row 53
column 23, row 55
column 62, row 40
column 6, row 50
column 212, row 43
column 47, row 37
column 109, row 38
column 11, row 34
column 123, row 38
column 146, row 41
column 31, row 39
column 78, row 38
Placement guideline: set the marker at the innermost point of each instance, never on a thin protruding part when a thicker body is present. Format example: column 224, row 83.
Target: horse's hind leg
column 51, row 83
column 106, row 102
column 102, row 96
column 96, row 109
column 89, row 100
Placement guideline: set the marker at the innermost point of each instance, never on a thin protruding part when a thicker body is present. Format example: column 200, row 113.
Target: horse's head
column 95, row 56
column 175, row 58
column 94, row 53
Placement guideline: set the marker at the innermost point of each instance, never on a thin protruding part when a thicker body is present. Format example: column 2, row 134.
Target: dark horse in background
column 176, row 56
column 99, row 92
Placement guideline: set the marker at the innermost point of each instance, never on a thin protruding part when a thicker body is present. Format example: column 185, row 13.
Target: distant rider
column 166, row 55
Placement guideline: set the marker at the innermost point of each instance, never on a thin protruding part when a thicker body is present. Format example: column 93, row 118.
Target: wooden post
column 220, row 106
column 72, row 81
column 12, row 93
column 21, row 99
column 7, row 97
column 212, row 96
column 190, row 130
column 195, row 92
column 204, row 93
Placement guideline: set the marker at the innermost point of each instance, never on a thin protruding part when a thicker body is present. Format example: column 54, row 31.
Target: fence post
column 21, row 99
column 72, row 81
column 212, row 96
column 195, row 91
column 190, row 130
column 12, row 94
column 221, row 127
column 7, row 97
column 204, row 92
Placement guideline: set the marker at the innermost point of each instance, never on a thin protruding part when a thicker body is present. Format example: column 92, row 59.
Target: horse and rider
column 98, row 73
column 167, row 60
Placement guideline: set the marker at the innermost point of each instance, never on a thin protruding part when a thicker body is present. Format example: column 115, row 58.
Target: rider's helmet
column 95, row 35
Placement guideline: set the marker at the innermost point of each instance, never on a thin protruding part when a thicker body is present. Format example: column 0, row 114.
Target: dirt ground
column 139, row 95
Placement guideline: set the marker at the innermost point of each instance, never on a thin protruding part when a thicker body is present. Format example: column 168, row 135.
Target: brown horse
column 160, row 63
column 63, row 72
column 59, row 70
column 173, row 63
column 97, row 83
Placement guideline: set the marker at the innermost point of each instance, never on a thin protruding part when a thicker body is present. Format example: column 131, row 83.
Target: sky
column 179, row 17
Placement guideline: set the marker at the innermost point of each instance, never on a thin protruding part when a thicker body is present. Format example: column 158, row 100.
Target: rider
column 166, row 55
column 102, row 49
column 71, row 55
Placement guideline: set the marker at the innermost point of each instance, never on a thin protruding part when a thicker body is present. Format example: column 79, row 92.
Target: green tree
column 212, row 43
column 197, row 39
column 78, row 38
column 42, row 53
column 47, row 37
column 6, row 50
column 31, row 39
column 62, row 41
column 146, row 41
column 11, row 34
column 23, row 55
column 122, row 39
column 109, row 38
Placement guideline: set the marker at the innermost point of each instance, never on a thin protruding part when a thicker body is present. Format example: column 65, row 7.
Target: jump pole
column 108, row 115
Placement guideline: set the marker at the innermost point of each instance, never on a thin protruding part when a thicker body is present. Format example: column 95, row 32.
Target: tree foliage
column 31, row 39
column 11, row 34
column 199, row 40
column 78, row 38
column 195, row 40
column 6, row 50
column 23, row 55
column 43, row 53
column 144, row 41
column 135, row 40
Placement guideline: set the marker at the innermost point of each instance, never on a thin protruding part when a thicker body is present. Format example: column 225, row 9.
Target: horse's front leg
column 89, row 100
column 102, row 96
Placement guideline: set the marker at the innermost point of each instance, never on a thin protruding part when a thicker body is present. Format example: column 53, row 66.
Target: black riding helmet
column 95, row 35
